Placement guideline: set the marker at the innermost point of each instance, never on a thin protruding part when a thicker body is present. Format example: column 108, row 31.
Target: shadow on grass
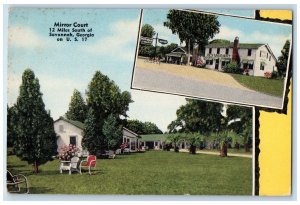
column 39, row 190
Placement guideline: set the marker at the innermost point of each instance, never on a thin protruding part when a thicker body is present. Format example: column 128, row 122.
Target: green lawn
column 268, row 86
column 152, row 172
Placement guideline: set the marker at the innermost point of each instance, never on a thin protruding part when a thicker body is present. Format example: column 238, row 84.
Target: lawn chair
column 89, row 163
column 111, row 154
column 70, row 165
column 15, row 181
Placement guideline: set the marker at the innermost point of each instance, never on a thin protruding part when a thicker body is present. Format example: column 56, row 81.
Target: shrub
column 67, row 152
column 233, row 67
column 268, row 75
column 275, row 74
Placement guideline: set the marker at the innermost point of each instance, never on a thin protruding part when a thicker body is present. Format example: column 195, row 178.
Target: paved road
column 156, row 80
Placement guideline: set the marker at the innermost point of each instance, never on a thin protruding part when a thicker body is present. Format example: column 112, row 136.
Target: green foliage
column 104, row 98
column 35, row 140
column 77, row 108
column 197, row 116
column 91, row 139
column 233, row 67
column 112, row 132
column 11, row 126
column 142, row 128
column 192, row 27
column 283, row 59
column 147, row 31
column 163, row 50
column 146, row 50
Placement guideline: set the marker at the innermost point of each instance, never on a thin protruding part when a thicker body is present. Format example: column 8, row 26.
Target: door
column 217, row 64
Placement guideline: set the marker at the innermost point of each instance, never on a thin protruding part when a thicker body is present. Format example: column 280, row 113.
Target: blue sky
column 249, row 31
column 64, row 66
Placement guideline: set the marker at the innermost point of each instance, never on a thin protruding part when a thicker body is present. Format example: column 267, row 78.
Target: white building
column 71, row 132
column 254, row 58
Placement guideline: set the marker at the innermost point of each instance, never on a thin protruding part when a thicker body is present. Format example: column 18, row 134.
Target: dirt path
column 200, row 74
column 217, row 153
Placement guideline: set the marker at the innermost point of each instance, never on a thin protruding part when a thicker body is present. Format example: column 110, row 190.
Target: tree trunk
column 35, row 167
column 189, row 51
column 223, row 151
column 193, row 149
column 247, row 149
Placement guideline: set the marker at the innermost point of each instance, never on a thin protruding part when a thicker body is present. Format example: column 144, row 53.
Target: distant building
column 254, row 58
column 178, row 56
column 71, row 132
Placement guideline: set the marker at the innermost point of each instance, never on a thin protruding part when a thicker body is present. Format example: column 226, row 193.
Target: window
column 223, row 64
column 210, row 49
column 211, row 62
column 267, row 55
column 73, row 140
column 260, row 54
column 218, row 50
column 227, row 50
column 262, row 66
column 270, row 58
column 61, row 128
column 249, row 52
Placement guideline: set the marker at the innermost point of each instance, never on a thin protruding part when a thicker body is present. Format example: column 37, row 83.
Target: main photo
column 213, row 57
column 74, row 126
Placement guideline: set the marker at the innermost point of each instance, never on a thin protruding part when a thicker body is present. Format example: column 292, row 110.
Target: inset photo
column 213, row 57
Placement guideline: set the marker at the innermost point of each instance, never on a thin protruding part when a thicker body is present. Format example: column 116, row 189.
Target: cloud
column 123, row 35
column 155, row 107
column 275, row 41
column 25, row 37
column 57, row 91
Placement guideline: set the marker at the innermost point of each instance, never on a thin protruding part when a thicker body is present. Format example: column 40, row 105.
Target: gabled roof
column 78, row 124
column 230, row 45
column 182, row 49
column 128, row 130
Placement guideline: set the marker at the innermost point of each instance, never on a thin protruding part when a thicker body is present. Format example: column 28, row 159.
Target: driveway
column 203, row 83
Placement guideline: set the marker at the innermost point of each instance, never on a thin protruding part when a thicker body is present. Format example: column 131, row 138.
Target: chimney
column 235, row 53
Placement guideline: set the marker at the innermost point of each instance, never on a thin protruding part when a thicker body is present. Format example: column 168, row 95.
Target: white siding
column 270, row 64
column 68, row 131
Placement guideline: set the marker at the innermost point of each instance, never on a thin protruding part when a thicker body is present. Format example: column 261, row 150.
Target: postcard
column 213, row 56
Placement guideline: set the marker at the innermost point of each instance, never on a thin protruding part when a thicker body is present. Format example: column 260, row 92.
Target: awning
column 263, row 63
column 244, row 61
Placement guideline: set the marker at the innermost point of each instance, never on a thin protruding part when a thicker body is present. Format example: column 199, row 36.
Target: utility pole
column 155, row 45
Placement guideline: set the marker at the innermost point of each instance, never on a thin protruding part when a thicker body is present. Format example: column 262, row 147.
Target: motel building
column 256, row 58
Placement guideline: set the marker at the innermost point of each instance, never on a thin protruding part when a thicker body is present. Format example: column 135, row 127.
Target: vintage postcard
column 212, row 56
column 75, row 126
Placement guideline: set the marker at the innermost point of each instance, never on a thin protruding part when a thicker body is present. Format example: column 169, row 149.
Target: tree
column 91, row 137
column 147, row 31
column 163, row 50
column 282, row 62
column 142, row 128
column 77, row 108
column 192, row 27
column 105, row 98
column 194, row 139
column 197, row 116
column 112, row 132
column 35, row 136
column 240, row 121
column 11, row 129
column 175, row 139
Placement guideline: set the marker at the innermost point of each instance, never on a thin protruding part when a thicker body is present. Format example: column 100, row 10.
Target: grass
column 268, row 86
column 152, row 172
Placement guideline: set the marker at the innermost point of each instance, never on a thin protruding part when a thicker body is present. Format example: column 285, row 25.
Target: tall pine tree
column 112, row 132
column 35, row 136
column 77, row 108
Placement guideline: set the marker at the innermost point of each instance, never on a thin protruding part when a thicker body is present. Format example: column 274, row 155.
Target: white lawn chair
column 70, row 165
column 111, row 154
